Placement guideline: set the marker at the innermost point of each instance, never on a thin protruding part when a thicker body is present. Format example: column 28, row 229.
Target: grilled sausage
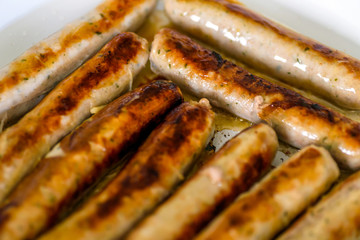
column 147, row 179
column 232, row 170
column 271, row 47
column 297, row 120
column 336, row 216
column 38, row 69
column 271, row 204
column 97, row 82
column 82, row 157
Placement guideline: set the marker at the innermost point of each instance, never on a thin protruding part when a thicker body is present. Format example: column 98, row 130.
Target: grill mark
column 309, row 108
column 151, row 93
column 25, row 189
column 251, row 171
column 315, row 213
column 166, row 94
column 206, row 60
column 30, row 184
column 277, row 184
column 332, row 55
column 112, row 12
column 253, row 84
column 27, row 67
column 205, row 63
column 294, row 169
column 144, row 178
column 309, row 154
column 111, row 59
column 192, row 228
column 154, row 162
column 4, row 211
column 256, row 165
column 341, row 231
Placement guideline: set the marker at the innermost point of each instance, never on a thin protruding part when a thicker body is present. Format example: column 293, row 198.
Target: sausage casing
column 297, row 120
column 147, row 179
column 271, row 47
column 97, row 82
column 232, row 170
column 82, row 157
column 335, row 217
column 277, row 199
column 38, row 69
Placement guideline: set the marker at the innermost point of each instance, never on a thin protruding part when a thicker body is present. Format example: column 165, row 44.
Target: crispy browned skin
column 232, row 170
column 277, row 199
column 260, row 42
column 101, row 79
column 82, row 157
column 42, row 66
column 113, row 11
column 336, row 216
column 296, row 119
column 153, row 171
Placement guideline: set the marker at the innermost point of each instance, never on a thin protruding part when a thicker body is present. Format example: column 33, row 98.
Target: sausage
column 82, row 157
column 297, row 120
column 97, row 82
column 232, row 170
column 147, row 179
column 271, row 47
column 336, row 216
column 272, row 203
column 42, row 66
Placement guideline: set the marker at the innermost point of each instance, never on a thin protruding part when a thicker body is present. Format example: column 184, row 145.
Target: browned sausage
column 97, row 82
column 82, row 157
column 277, row 199
column 232, row 170
column 38, row 69
column 335, row 217
column 271, row 47
column 148, row 178
column 297, row 120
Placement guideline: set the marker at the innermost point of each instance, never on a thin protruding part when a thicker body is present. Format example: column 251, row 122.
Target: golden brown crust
column 74, row 89
column 256, row 165
column 112, row 12
column 331, row 55
column 277, row 105
column 342, row 199
column 182, row 123
column 155, row 169
column 344, row 230
column 130, row 115
column 207, row 61
column 250, row 207
column 148, row 93
column 272, row 204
